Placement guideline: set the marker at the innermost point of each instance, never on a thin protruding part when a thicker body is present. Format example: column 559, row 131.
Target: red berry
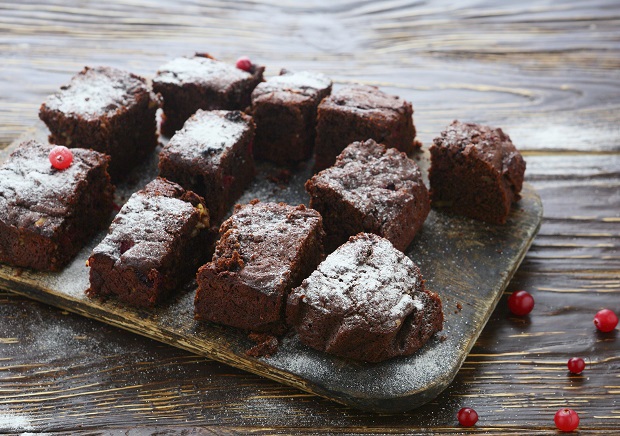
column 61, row 157
column 467, row 417
column 244, row 63
column 521, row 303
column 605, row 320
column 576, row 365
column 566, row 419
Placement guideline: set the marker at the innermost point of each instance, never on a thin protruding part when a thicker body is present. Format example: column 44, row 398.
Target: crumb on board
column 266, row 345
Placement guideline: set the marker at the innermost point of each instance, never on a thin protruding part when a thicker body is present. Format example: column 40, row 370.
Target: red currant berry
column 244, row 63
column 521, row 303
column 605, row 320
column 566, row 419
column 467, row 417
column 576, row 365
column 61, row 157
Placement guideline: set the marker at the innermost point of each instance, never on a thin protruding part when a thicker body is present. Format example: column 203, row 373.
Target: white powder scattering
column 207, row 134
column 298, row 82
column 13, row 422
column 218, row 75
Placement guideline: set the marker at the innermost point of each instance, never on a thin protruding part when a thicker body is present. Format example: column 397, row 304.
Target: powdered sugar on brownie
column 203, row 70
column 302, row 82
column 141, row 232
column 207, row 133
column 366, row 99
column 95, row 92
column 365, row 278
column 29, row 183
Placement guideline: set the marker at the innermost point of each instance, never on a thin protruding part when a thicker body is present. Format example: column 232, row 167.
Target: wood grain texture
column 547, row 72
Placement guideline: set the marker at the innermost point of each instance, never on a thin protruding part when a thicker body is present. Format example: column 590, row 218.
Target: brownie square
column 201, row 82
column 366, row 301
column 212, row 156
column 107, row 110
column 373, row 189
column 155, row 244
column 265, row 249
column 284, row 110
column 475, row 171
column 47, row 215
column 357, row 113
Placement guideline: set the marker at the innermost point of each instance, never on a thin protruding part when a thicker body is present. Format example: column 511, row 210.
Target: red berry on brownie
column 61, row 157
column 244, row 63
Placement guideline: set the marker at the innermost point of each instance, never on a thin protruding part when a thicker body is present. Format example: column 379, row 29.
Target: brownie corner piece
column 476, row 171
column 154, row 245
column 212, row 156
column 108, row 110
column 370, row 188
column 202, row 82
column 284, row 108
column 46, row 214
column 265, row 250
column 366, row 301
column 361, row 112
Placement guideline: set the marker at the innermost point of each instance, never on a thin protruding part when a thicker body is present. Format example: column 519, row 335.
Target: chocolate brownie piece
column 212, row 155
column 475, row 171
column 154, row 245
column 373, row 189
column 357, row 113
column 108, row 110
column 201, row 82
column 284, row 109
column 366, row 301
column 47, row 215
column 265, row 250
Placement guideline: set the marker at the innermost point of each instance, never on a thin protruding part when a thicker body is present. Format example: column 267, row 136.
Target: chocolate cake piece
column 366, row 301
column 47, row 215
column 475, row 171
column 265, row 250
column 108, row 110
column 154, row 245
column 357, row 113
column 373, row 189
column 201, row 82
column 212, row 156
column 284, row 109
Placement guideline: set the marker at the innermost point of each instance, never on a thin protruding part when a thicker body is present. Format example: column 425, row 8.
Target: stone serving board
column 468, row 263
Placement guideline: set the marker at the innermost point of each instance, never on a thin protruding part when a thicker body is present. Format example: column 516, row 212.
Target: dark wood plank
column 548, row 72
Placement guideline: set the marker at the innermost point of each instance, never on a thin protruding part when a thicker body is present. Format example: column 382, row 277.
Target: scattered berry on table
column 61, row 157
column 467, row 417
column 521, row 303
column 566, row 419
column 244, row 63
column 605, row 320
column 576, row 365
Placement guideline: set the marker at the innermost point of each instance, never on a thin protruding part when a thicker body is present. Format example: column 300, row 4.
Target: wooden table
column 547, row 72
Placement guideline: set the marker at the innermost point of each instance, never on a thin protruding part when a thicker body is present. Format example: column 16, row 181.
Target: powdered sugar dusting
column 302, row 82
column 35, row 190
column 14, row 422
column 367, row 275
column 201, row 70
column 95, row 92
column 207, row 133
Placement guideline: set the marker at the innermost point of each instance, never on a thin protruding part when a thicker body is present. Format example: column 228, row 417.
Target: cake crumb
column 280, row 178
column 266, row 345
